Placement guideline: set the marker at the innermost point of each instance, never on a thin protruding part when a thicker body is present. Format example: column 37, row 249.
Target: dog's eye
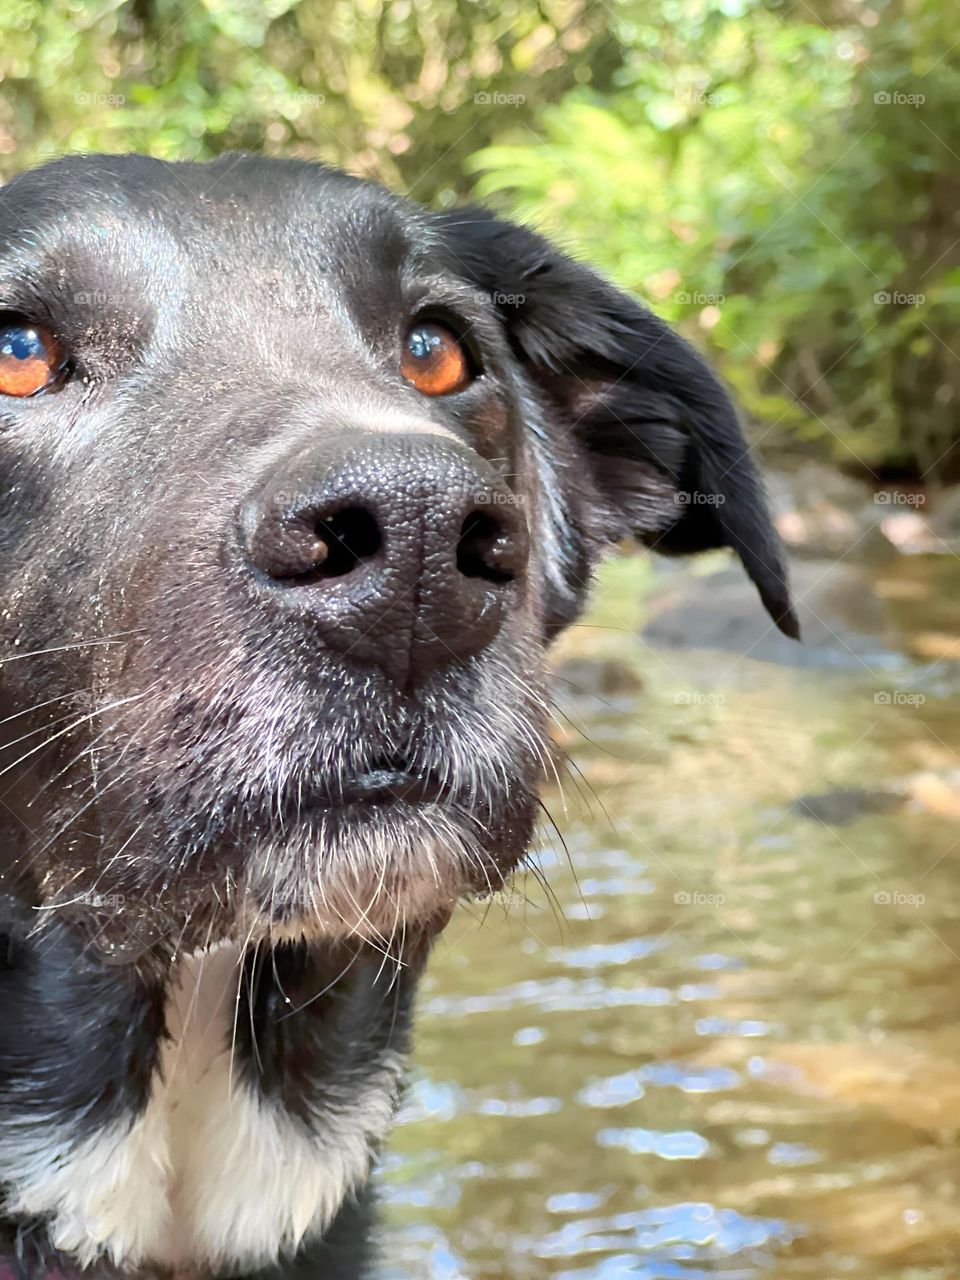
column 30, row 358
column 434, row 361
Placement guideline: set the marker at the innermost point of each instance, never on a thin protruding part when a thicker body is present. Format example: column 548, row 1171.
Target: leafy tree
column 765, row 176
column 785, row 187
column 401, row 90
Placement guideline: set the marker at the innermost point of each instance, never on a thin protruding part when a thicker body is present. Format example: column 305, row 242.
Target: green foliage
column 776, row 186
column 401, row 90
column 762, row 175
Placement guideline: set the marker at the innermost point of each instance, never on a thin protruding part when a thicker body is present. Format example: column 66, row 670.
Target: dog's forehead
column 239, row 220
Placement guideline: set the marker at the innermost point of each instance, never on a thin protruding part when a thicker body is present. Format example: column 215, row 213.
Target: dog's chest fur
column 213, row 1171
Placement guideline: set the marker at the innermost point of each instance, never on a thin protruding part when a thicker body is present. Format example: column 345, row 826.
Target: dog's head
column 299, row 480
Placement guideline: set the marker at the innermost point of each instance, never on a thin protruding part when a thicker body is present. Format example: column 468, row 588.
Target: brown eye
column 30, row 359
column 434, row 361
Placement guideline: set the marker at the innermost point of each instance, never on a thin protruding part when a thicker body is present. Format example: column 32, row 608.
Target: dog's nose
column 405, row 551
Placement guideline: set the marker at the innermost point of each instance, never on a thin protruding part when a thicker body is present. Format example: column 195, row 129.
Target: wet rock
column 910, row 533
column 920, row 523
column 936, row 792
column 842, row 620
column 843, row 805
column 822, row 513
column 928, row 791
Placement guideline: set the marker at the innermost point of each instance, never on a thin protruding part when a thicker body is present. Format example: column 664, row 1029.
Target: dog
column 299, row 482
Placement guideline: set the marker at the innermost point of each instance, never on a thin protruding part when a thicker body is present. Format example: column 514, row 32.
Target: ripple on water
column 792, row 1154
column 630, row 1086
column 527, row 1036
column 576, row 1201
column 716, row 960
column 529, row 1161
column 426, row 1252
column 519, row 1108
column 746, row 1027
column 688, row 1231
column 690, row 1079
column 614, row 1091
column 600, row 955
column 549, row 996
column 682, row 1144
column 427, row 1099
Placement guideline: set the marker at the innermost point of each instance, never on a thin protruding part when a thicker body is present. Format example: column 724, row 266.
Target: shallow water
column 731, row 1046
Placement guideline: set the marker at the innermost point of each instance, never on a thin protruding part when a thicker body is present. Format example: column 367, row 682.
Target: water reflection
column 731, row 1046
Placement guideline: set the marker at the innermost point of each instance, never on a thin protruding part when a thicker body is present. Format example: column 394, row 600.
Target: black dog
column 299, row 481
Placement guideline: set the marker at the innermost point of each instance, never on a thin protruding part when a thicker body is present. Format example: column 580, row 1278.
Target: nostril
column 485, row 549
column 346, row 538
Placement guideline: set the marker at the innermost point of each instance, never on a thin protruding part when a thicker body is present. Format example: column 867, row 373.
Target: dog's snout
column 403, row 551
column 300, row 543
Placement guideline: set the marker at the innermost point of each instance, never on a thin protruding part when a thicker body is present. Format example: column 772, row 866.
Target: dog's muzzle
column 404, row 550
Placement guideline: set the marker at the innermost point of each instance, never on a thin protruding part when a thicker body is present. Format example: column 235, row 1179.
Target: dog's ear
column 665, row 446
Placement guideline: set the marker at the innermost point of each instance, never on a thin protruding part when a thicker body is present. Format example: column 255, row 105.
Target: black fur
column 652, row 417
column 76, row 1038
column 172, row 728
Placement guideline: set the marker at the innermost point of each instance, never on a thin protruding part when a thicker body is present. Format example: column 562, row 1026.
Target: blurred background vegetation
column 781, row 179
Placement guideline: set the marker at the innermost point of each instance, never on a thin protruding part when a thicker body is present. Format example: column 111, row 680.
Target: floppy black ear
column 665, row 444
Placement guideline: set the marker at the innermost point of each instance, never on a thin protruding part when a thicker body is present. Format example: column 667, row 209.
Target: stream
column 725, row 1041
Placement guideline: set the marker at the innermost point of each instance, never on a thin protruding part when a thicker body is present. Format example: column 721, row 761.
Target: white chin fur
column 211, row 1174
column 388, row 877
